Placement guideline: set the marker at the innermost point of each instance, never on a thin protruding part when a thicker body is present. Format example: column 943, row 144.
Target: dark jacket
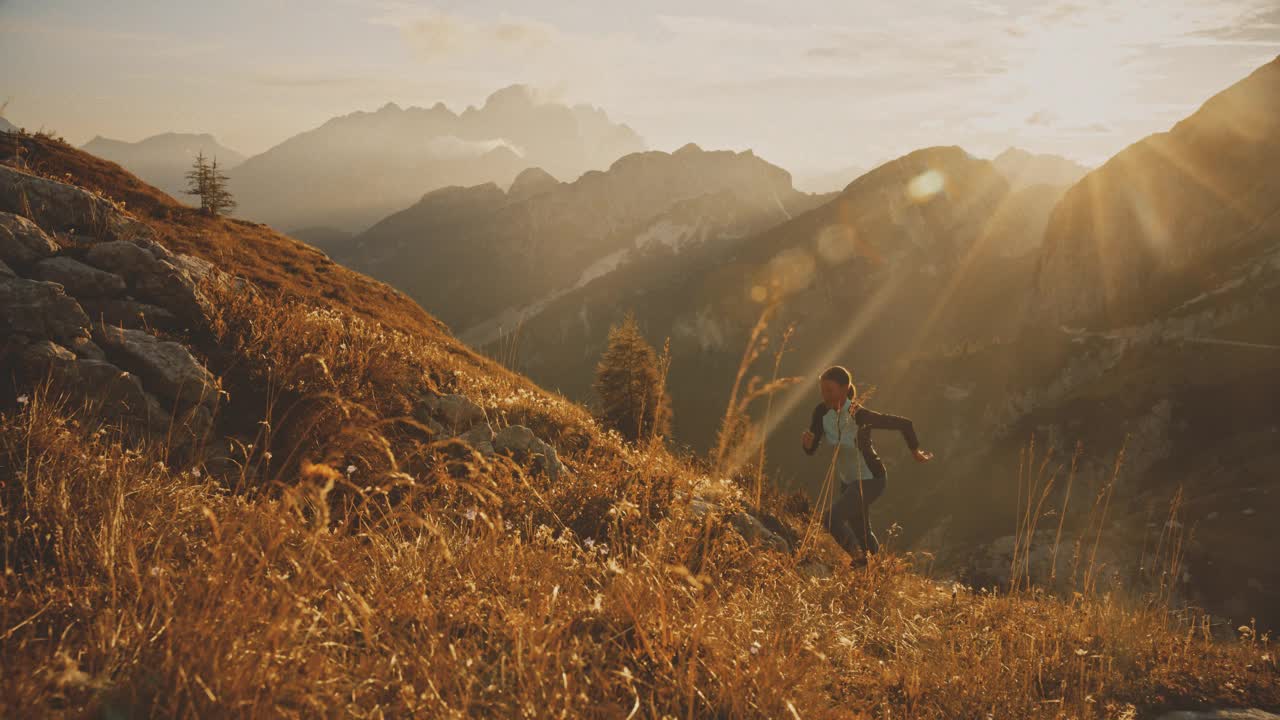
column 866, row 420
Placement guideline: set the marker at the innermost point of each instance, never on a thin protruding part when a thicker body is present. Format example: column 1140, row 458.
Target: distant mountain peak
column 1023, row 168
column 530, row 182
column 511, row 97
column 687, row 149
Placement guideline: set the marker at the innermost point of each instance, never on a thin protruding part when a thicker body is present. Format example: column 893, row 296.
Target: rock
column 23, row 242
column 112, row 392
column 480, row 437
column 78, row 279
column 131, row 314
column 42, row 353
column 86, row 348
column 197, row 268
column 166, row 367
column 456, row 412
column 59, row 207
column 754, row 531
column 41, row 310
column 520, row 440
column 145, row 266
column 123, row 258
column 747, row 525
column 6, row 271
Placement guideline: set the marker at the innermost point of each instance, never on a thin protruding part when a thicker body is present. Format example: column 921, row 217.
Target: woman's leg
column 859, row 512
column 837, row 521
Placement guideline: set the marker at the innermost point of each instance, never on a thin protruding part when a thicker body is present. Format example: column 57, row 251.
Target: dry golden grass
column 348, row 562
column 394, row 574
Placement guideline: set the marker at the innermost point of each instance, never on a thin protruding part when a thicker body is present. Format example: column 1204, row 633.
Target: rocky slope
column 480, row 258
column 358, row 168
column 164, row 160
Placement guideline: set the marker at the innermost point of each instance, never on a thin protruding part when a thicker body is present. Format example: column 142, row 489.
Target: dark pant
column 849, row 519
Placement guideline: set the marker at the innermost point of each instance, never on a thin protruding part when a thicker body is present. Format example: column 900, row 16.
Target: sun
column 1074, row 78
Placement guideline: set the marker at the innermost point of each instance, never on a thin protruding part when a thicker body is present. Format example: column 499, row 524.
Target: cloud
column 312, row 79
column 436, row 35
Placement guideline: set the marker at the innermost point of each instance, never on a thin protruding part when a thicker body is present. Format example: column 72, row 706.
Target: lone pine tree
column 629, row 383
column 207, row 182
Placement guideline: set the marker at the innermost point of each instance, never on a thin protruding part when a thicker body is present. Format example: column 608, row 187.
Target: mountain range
column 356, row 169
column 992, row 301
column 164, row 160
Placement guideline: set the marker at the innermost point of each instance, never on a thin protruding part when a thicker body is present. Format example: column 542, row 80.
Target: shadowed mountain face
column 1158, row 219
column 1024, row 169
column 1165, row 262
column 481, row 258
column 358, row 168
column 905, row 258
column 6, row 126
column 943, row 288
column 163, row 160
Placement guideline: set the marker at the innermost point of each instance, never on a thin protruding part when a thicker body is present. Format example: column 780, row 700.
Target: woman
column 847, row 426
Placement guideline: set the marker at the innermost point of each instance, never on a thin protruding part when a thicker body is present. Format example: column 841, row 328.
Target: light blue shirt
column 841, row 432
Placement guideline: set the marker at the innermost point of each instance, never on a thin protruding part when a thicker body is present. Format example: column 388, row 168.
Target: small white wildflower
column 351, row 469
column 470, row 513
column 604, row 550
column 589, row 543
column 195, row 472
column 755, row 647
column 23, row 399
column 156, row 571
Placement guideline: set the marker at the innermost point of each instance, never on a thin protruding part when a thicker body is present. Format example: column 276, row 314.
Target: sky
column 812, row 85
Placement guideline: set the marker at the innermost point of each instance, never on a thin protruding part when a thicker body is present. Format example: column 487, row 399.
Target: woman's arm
column 812, row 437
column 883, row 421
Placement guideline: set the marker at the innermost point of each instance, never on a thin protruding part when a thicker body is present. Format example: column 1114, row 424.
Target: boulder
column 165, row 367
column 456, row 412
column 41, row 310
column 479, row 437
column 112, row 392
column 146, row 268
column 80, row 280
column 754, row 532
column 87, row 349
column 23, row 242
column 59, row 207
column 520, row 441
column 131, row 314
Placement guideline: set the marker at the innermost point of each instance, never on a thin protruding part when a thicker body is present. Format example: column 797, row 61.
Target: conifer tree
column 207, row 182
column 629, row 384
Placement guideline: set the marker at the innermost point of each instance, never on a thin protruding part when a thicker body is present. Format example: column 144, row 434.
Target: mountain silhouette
column 356, row 169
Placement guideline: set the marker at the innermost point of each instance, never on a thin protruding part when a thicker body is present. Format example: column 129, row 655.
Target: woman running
column 847, row 426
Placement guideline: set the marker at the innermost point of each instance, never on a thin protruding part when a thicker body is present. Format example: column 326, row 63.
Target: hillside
column 335, row 540
column 356, row 169
column 858, row 263
column 1149, row 332
column 545, row 237
column 1155, row 223
column 164, row 160
column 949, row 305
